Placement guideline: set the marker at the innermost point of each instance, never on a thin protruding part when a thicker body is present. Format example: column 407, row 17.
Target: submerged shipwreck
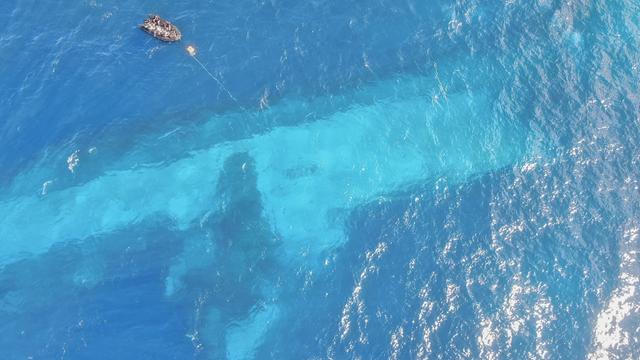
column 161, row 29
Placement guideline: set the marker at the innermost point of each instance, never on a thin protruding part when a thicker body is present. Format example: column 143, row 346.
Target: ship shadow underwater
column 241, row 273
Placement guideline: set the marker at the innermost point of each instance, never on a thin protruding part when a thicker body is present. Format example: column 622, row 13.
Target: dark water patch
column 438, row 269
column 244, row 263
column 393, row 249
column 101, row 298
column 245, row 242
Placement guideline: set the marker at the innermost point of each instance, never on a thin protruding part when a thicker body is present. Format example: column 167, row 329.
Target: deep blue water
column 361, row 180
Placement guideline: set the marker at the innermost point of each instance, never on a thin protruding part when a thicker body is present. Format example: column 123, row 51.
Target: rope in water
column 192, row 52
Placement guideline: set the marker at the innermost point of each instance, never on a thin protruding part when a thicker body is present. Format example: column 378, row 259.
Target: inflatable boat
column 161, row 29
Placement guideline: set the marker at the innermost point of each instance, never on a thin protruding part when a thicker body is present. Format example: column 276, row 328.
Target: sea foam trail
column 391, row 135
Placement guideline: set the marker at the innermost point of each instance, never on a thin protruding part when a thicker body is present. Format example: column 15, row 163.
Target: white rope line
column 215, row 79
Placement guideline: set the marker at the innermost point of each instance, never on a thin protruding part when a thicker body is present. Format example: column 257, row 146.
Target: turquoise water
column 390, row 180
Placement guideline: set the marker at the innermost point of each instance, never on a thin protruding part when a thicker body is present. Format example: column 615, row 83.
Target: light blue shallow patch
column 391, row 136
column 308, row 173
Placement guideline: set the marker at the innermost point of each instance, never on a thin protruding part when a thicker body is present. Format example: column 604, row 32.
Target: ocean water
column 352, row 180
